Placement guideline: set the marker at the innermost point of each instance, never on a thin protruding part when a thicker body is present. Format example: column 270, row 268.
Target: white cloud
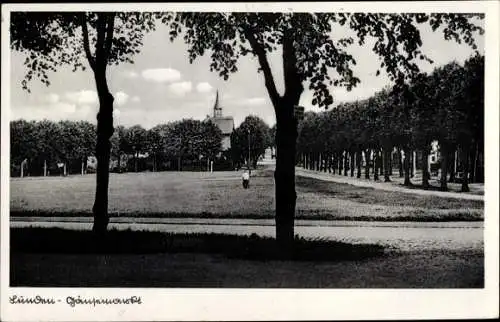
column 82, row 97
column 161, row 75
column 130, row 74
column 116, row 113
column 203, row 87
column 51, row 98
column 251, row 101
column 121, row 98
column 55, row 112
column 180, row 88
column 135, row 99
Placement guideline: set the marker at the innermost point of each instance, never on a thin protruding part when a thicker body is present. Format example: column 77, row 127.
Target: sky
column 162, row 86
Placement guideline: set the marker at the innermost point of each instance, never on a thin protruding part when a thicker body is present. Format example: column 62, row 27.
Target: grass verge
column 409, row 215
column 253, row 247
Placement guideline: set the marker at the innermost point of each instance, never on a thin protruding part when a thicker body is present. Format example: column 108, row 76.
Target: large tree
column 52, row 40
column 312, row 59
column 251, row 137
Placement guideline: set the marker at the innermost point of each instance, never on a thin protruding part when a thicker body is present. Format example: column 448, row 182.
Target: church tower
column 224, row 123
column 217, row 107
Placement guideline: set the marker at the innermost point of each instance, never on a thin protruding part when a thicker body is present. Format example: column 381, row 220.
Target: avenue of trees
column 44, row 144
column 446, row 106
column 310, row 58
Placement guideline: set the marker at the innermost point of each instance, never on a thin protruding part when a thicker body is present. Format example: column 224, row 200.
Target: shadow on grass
column 62, row 241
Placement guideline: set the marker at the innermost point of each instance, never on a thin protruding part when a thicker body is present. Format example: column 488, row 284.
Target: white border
column 282, row 304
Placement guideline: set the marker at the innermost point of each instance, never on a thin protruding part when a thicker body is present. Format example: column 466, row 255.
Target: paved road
column 401, row 235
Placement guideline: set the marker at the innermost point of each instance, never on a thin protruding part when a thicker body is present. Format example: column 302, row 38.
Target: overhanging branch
column 264, row 64
column 86, row 45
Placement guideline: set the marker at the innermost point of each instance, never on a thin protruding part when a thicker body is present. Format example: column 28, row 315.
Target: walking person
column 246, row 179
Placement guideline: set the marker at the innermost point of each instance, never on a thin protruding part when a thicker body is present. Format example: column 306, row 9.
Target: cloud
column 251, row 101
column 135, row 99
column 203, row 87
column 116, row 113
column 51, row 98
column 180, row 88
column 161, row 75
column 121, row 98
column 130, row 74
column 82, row 97
column 55, row 112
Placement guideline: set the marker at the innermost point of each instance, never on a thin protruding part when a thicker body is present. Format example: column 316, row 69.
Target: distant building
column 224, row 123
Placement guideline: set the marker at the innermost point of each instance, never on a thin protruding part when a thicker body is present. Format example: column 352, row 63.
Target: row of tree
column 446, row 106
column 52, row 40
column 44, row 144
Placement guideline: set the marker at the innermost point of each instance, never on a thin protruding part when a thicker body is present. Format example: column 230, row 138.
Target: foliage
column 252, row 131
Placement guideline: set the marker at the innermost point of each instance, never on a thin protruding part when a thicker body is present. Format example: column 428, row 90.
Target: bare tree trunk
column 444, row 167
column 367, row 164
column 376, row 165
column 453, row 165
column 346, row 163
column 103, row 148
column 400, row 160
column 352, row 162
column 425, row 167
column 286, row 134
column 387, row 161
column 358, row 163
column 465, row 172
column 407, row 152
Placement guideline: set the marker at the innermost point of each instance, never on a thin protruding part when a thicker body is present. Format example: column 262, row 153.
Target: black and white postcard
column 249, row 161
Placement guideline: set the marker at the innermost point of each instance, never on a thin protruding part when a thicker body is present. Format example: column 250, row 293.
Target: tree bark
column 425, row 167
column 407, row 166
column 103, row 148
column 346, row 163
column 465, row 167
column 286, row 134
column 387, row 160
column 376, row 165
column 367, row 164
column 400, row 160
column 352, row 162
column 358, row 163
column 444, row 167
column 453, row 166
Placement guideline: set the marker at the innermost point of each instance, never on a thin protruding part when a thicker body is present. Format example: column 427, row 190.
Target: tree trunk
column 367, row 164
column 358, row 163
column 387, row 161
column 346, row 163
column 425, row 167
column 136, row 154
column 390, row 161
column 400, row 160
column 352, row 163
column 44, row 168
column 444, row 167
column 465, row 167
column 103, row 149
column 453, row 166
column 407, row 166
column 286, row 134
column 376, row 165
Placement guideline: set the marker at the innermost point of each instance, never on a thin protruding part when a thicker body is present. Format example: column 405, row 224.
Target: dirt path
column 382, row 185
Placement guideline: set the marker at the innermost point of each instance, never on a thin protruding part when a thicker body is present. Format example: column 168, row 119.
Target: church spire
column 217, row 108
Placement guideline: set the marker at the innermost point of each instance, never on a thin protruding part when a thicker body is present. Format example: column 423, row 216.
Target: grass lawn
column 220, row 194
column 55, row 258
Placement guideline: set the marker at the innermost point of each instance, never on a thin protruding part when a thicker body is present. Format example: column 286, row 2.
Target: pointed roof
column 217, row 107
